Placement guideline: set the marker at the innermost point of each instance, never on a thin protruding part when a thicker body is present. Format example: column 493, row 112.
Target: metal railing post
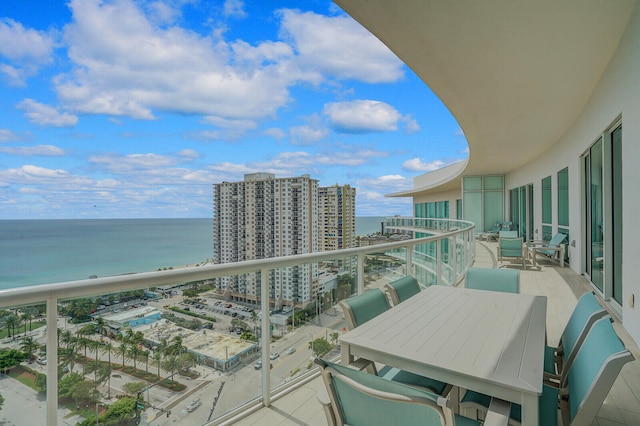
column 438, row 262
column 360, row 273
column 52, row 362
column 265, row 336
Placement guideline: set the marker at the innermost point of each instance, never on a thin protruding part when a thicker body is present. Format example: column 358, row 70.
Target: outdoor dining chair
column 590, row 378
column 402, row 289
column 506, row 280
column 362, row 308
column 553, row 249
column 557, row 360
column 358, row 398
column 510, row 246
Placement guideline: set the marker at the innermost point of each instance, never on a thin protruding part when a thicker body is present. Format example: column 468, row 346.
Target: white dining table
column 490, row 342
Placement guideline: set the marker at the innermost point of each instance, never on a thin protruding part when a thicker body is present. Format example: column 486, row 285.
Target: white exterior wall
column 616, row 95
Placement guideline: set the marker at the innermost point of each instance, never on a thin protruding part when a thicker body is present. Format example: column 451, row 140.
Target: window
column 546, row 209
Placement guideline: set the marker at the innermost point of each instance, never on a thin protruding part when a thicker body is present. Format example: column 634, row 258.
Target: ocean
column 48, row 251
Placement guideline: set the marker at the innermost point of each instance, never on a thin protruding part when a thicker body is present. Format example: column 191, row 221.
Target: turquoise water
column 48, row 251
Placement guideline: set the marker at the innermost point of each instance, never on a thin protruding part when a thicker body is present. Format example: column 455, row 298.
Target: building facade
column 548, row 98
column 261, row 217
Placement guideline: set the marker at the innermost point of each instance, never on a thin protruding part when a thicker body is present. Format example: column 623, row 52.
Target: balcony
column 280, row 396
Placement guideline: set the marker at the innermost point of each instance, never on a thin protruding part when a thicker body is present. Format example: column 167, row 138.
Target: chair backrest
column 510, row 247
column 553, row 243
column 359, row 398
column 594, row 370
column 402, row 289
column 506, row 280
column 505, row 233
column 496, row 227
column 360, row 309
column 584, row 315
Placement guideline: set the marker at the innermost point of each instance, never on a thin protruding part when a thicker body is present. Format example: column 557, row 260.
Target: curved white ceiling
column 515, row 74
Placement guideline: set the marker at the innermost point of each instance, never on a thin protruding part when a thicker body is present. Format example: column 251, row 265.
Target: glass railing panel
column 178, row 345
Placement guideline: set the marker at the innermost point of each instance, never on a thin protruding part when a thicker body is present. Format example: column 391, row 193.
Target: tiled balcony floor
column 562, row 288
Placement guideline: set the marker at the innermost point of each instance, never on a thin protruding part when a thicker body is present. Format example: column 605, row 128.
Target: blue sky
column 121, row 108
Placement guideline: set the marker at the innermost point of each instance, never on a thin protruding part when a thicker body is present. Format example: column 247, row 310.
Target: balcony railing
column 440, row 258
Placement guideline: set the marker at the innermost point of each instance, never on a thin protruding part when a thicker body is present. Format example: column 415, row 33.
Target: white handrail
column 52, row 293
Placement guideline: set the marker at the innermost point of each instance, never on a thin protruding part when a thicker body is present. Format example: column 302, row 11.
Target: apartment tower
column 261, row 217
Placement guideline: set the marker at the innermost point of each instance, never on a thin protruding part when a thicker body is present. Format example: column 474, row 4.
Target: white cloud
column 307, row 135
column 274, row 132
column 339, row 46
column 132, row 163
column 30, row 174
column 27, row 49
column 45, row 150
column 127, row 66
column 7, row 135
column 189, row 154
column 417, row 165
column 411, row 125
column 234, row 8
column 362, row 116
column 45, row 115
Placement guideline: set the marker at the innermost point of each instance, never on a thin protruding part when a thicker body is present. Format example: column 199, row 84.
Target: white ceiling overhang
column 514, row 74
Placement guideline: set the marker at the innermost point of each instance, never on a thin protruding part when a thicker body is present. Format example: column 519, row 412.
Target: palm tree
column 84, row 342
column 101, row 326
column 11, row 321
column 172, row 363
column 144, row 356
column 29, row 346
column 122, row 350
column 27, row 316
column 66, row 337
column 134, row 353
column 108, row 348
column 157, row 360
column 68, row 356
column 104, row 375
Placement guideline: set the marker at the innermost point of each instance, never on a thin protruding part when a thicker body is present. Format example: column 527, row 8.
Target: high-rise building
column 337, row 217
column 264, row 216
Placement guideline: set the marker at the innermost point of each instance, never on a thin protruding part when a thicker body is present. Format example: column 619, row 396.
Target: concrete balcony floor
column 562, row 287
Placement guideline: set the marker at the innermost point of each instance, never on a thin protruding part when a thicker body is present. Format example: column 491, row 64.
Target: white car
column 290, row 350
column 274, row 355
column 195, row 403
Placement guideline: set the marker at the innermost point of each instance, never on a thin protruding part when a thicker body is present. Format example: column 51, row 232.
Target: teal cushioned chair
column 552, row 249
column 506, row 280
column 589, row 380
column 558, row 359
column 402, row 289
column 362, row 308
column 510, row 246
column 358, row 398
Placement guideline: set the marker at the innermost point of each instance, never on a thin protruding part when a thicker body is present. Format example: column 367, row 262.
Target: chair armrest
column 498, row 413
column 325, row 401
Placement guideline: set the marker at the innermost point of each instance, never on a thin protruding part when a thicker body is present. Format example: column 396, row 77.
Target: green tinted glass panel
column 493, row 182
column 546, row 233
column 546, row 200
column 616, row 178
column 459, row 209
column 563, row 197
column 492, row 208
column 472, row 208
column 472, row 183
column 596, row 216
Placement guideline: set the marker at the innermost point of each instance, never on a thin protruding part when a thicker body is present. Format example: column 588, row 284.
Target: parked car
column 42, row 360
column 274, row 355
column 258, row 365
column 195, row 403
